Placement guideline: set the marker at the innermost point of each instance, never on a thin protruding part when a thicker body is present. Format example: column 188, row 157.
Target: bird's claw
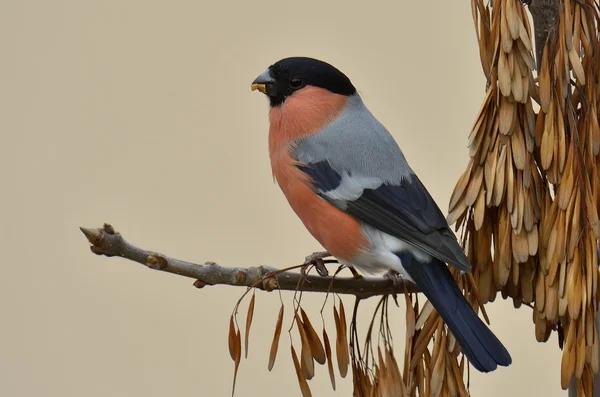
column 397, row 281
column 394, row 277
column 355, row 274
column 316, row 259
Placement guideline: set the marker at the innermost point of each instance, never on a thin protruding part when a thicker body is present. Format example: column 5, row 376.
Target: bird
column 348, row 181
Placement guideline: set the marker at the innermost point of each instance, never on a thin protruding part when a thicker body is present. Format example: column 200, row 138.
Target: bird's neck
column 304, row 113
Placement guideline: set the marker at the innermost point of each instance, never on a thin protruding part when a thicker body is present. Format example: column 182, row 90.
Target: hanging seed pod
column 275, row 342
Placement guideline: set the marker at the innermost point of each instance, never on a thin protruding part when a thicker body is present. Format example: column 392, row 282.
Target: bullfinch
column 346, row 178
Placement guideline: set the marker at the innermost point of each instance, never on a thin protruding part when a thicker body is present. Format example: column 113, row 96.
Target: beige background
column 139, row 113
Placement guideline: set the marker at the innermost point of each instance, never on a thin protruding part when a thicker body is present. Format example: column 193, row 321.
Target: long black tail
column 479, row 344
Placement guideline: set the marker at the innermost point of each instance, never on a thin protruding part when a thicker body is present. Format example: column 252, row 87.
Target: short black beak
column 264, row 83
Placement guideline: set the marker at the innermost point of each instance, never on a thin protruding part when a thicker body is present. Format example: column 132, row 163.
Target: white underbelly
column 381, row 257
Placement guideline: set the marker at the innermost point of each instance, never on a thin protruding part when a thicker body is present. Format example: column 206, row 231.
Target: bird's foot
column 355, row 274
column 397, row 281
column 316, row 259
column 394, row 277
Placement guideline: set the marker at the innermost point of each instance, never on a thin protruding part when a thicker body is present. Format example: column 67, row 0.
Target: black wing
column 405, row 210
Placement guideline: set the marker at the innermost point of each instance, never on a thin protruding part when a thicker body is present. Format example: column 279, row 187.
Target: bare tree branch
column 106, row 241
column 545, row 19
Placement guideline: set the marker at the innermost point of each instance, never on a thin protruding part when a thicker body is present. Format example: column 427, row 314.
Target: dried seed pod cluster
column 312, row 349
column 533, row 175
column 499, row 196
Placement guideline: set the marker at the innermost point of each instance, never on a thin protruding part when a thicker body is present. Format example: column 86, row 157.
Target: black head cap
column 285, row 77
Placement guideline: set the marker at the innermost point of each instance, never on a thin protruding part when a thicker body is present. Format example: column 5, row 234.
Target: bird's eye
column 295, row 83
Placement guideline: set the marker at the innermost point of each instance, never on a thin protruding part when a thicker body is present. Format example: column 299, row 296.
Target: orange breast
column 337, row 231
column 304, row 113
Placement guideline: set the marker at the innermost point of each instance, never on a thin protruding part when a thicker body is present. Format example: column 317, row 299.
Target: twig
column 106, row 241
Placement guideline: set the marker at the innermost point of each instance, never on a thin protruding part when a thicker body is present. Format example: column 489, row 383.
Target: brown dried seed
column 577, row 66
column 474, row 186
column 499, row 181
column 523, row 70
column 437, row 345
column 410, row 317
column 475, row 16
column 306, row 358
column 479, row 210
column 520, row 200
column 551, row 250
column 562, row 139
column 477, row 133
column 275, row 342
column 544, row 81
column 231, row 338
column 547, row 149
column 451, row 387
column 518, row 147
column 580, row 348
column 568, row 356
column 593, row 264
column 530, row 118
column 438, row 373
column 540, row 126
column 589, row 328
column 568, row 24
column 526, row 285
column 592, row 211
column 553, row 269
column 517, row 85
column 575, row 232
column 577, row 26
column 595, row 130
column 565, row 190
column 562, row 279
column 551, row 309
column 520, row 250
column 460, row 187
column 507, row 116
column 301, row 379
column 549, row 220
column 313, row 339
column 484, row 283
column 589, row 268
column 515, row 279
column 400, row 388
column 565, row 374
column 383, row 376
column 505, row 37
column 573, row 289
column 457, row 213
column 512, row 18
column 424, row 338
column 525, row 41
column 424, row 315
column 249, row 323
column 595, row 354
column 420, row 386
column 524, row 99
column 237, row 359
column 490, row 172
column 540, row 327
column 510, row 184
column 328, row 355
column 563, row 306
column 482, row 241
column 532, row 241
column 504, row 80
column 341, row 346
